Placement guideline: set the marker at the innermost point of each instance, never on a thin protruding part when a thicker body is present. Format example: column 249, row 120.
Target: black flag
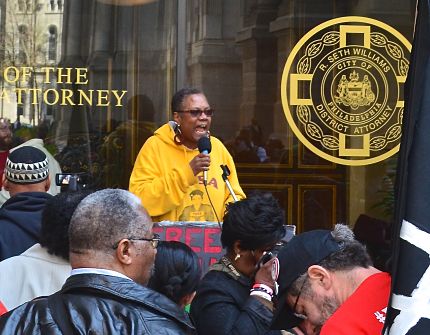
column 409, row 308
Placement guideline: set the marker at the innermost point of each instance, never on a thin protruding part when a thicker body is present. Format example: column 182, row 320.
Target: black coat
column 98, row 304
column 20, row 222
column 223, row 306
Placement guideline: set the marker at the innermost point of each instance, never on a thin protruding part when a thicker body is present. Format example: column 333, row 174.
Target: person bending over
column 327, row 279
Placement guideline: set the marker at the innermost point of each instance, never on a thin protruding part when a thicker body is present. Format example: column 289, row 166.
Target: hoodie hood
column 20, row 221
column 166, row 133
column 25, row 210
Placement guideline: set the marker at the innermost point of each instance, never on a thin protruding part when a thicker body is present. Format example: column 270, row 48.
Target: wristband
column 263, row 287
column 261, row 294
column 261, row 290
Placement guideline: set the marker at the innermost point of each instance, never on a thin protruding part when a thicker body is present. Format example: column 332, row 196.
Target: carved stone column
column 214, row 62
column 259, row 69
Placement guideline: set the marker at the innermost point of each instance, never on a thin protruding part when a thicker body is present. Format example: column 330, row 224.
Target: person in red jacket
column 327, row 278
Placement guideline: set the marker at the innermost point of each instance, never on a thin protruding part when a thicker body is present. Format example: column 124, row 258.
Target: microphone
column 205, row 147
column 225, row 174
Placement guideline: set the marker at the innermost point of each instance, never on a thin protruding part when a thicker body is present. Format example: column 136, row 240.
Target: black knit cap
column 26, row 165
column 295, row 258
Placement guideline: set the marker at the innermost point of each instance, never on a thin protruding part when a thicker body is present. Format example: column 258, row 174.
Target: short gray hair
column 105, row 217
column 353, row 253
column 342, row 233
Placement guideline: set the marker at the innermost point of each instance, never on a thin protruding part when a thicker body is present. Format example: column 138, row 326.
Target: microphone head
column 204, row 145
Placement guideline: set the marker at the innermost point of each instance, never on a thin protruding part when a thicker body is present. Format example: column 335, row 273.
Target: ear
column 5, row 183
column 176, row 117
column 320, row 276
column 123, row 252
column 47, row 184
column 237, row 247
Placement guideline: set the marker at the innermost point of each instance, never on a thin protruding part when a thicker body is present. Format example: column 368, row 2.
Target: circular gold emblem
column 342, row 90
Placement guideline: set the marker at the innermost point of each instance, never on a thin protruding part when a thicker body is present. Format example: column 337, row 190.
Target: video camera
column 71, row 182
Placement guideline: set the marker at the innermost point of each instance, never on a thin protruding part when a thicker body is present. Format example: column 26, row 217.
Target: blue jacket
column 20, row 222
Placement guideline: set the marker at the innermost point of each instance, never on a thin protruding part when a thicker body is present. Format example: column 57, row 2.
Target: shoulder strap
column 225, row 265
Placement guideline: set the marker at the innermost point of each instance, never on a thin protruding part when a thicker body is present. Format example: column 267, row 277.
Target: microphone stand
column 225, row 174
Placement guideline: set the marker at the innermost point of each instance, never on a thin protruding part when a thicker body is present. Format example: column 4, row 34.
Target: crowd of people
column 89, row 261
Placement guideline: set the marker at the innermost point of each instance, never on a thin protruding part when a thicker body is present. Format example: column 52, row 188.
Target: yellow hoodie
column 162, row 178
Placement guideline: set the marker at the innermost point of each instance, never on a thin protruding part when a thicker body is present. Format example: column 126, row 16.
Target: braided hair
column 177, row 270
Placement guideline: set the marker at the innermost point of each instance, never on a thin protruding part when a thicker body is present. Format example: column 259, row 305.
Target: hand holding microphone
column 202, row 161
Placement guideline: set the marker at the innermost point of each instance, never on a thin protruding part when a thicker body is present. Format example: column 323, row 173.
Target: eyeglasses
column 198, row 112
column 154, row 240
column 298, row 315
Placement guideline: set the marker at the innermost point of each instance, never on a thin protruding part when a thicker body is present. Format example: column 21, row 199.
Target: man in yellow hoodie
column 169, row 167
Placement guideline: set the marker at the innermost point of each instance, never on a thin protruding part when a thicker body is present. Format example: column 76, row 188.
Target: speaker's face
column 194, row 119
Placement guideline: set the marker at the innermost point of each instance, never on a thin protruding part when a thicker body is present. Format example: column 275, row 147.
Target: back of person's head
column 352, row 254
column 256, row 222
column 26, row 165
column 26, row 170
column 56, row 217
column 179, row 96
column 105, row 217
column 177, row 271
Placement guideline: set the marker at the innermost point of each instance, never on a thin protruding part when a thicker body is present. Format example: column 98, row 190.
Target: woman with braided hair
column 177, row 272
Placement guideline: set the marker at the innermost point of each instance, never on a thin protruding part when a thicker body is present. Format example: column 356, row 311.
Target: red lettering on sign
column 204, row 240
column 209, row 245
column 190, row 240
column 157, row 230
column 173, row 234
